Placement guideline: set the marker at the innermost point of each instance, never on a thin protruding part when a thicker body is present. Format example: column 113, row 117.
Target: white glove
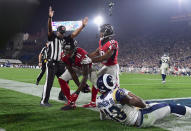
column 86, row 60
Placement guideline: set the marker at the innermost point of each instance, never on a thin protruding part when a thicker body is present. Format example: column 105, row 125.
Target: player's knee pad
column 66, row 76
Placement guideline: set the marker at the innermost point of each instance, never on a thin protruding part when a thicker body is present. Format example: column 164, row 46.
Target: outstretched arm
column 94, row 54
column 51, row 13
column 85, row 71
column 74, row 75
column 40, row 60
column 82, row 84
column 132, row 100
column 102, row 58
column 77, row 31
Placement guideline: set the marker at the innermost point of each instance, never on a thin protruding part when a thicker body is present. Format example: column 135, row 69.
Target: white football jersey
column 165, row 61
column 109, row 104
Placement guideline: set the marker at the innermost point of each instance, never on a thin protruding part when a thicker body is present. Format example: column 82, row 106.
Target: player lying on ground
column 123, row 106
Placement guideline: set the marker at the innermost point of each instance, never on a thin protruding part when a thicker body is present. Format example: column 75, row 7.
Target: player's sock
column 73, row 98
column 93, row 99
column 65, row 88
column 163, row 78
column 177, row 109
column 94, row 94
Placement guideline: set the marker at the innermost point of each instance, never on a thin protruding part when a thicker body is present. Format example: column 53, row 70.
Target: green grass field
column 22, row 111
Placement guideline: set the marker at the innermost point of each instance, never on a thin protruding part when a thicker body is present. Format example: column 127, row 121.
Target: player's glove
column 86, row 60
column 86, row 89
column 71, row 102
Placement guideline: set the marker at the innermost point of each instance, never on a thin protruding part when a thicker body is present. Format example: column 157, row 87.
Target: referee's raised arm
column 51, row 13
column 77, row 31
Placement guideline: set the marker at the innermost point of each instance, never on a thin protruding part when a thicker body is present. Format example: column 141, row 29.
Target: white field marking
column 1, row 129
column 35, row 90
column 157, row 84
column 170, row 99
column 153, row 79
column 27, row 88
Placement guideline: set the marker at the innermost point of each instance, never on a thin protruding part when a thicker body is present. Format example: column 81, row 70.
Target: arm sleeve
column 120, row 93
column 42, row 51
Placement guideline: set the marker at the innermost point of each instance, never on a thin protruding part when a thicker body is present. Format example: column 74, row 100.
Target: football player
column 73, row 57
column 123, row 106
column 165, row 63
column 107, row 53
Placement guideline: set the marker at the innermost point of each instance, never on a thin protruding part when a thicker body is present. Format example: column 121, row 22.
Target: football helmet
column 106, row 30
column 70, row 46
column 106, row 83
column 166, row 54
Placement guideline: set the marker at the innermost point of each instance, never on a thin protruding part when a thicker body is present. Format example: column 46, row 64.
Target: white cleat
column 163, row 82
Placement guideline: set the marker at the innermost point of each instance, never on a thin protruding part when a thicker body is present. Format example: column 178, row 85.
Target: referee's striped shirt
column 56, row 47
column 44, row 53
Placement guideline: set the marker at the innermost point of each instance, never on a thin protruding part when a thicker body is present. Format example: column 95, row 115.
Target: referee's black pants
column 53, row 68
column 43, row 69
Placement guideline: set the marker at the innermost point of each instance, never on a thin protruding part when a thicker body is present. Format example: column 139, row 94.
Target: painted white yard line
column 35, row 90
column 27, row 88
column 1, row 129
column 170, row 99
column 157, row 84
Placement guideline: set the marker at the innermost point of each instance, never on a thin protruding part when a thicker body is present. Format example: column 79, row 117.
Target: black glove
column 86, row 89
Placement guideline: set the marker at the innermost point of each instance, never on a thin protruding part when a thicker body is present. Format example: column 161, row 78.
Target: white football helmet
column 106, row 83
column 165, row 54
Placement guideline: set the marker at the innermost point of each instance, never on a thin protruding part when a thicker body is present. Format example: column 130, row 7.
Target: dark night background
column 129, row 16
column 160, row 23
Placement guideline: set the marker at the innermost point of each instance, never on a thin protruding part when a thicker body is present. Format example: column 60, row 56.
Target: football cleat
column 62, row 97
column 68, row 107
column 90, row 105
column 86, row 89
column 37, row 82
column 45, row 104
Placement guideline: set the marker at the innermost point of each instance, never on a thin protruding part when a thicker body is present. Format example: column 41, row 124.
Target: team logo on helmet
column 107, row 30
column 106, row 83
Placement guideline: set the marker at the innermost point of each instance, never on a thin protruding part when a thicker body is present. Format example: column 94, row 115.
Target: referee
column 54, row 65
column 42, row 59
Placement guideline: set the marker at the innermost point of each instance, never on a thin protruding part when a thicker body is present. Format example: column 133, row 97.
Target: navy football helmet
column 106, row 83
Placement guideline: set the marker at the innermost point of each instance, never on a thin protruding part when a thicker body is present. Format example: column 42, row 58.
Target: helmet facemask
column 106, row 83
column 106, row 31
column 70, row 48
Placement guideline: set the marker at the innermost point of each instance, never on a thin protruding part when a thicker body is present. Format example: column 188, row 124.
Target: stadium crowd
column 136, row 54
column 144, row 53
